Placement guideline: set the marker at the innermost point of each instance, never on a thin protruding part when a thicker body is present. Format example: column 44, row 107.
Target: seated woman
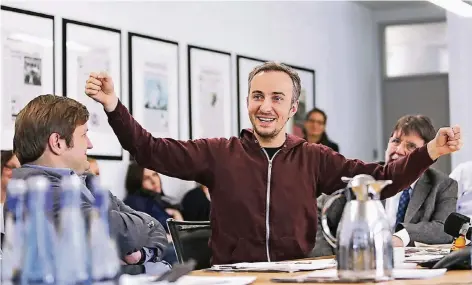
column 315, row 129
column 145, row 194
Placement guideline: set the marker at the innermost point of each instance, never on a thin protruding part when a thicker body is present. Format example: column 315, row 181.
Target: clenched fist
column 99, row 87
column 447, row 140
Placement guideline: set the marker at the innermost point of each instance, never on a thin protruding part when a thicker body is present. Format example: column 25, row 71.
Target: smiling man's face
column 270, row 103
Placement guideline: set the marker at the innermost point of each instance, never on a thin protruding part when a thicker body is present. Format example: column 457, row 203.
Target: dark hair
column 275, row 66
column 134, row 178
column 324, row 136
column 6, row 156
column 417, row 124
column 316, row 110
column 41, row 117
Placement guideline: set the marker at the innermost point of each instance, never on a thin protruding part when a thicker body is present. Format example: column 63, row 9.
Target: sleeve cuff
column 148, row 254
column 404, row 236
column 116, row 112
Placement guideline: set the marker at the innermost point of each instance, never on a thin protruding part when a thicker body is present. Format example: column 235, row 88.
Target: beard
column 267, row 134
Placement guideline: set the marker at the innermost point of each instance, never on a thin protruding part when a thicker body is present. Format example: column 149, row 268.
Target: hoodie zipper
column 269, row 174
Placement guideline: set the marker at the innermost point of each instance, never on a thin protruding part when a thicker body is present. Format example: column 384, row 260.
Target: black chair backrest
column 190, row 239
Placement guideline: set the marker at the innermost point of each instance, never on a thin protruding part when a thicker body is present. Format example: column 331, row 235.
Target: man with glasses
column 417, row 213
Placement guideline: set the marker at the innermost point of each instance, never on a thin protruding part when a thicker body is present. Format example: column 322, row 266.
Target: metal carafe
column 364, row 238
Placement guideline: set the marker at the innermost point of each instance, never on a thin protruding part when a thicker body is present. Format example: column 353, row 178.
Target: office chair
column 190, row 241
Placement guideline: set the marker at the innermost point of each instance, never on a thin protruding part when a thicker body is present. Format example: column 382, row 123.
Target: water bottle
column 71, row 254
column 104, row 255
column 14, row 230
column 40, row 239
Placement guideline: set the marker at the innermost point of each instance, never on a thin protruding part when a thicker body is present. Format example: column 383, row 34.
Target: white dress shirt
column 391, row 207
column 463, row 175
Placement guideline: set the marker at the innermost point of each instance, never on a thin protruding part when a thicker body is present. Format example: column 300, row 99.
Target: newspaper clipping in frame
column 98, row 59
column 212, row 104
column 156, row 98
column 22, row 69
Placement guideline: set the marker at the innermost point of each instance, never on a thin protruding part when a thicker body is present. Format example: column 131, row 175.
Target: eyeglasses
column 318, row 122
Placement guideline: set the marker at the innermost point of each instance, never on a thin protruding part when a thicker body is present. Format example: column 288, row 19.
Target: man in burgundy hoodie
column 264, row 183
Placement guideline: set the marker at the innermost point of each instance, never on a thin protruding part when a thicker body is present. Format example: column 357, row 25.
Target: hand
column 133, row 258
column 447, row 140
column 175, row 214
column 99, row 87
column 397, row 242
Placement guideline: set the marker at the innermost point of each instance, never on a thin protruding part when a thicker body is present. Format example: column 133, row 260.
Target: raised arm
column 188, row 160
column 403, row 171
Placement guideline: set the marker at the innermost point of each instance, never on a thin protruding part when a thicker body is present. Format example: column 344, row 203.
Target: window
column 415, row 49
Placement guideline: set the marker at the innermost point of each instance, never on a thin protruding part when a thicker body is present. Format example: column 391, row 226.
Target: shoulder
column 334, row 146
column 439, row 179
column 319, row 149
column 27, row 172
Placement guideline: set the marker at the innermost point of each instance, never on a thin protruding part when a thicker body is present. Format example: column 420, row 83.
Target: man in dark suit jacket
column 417, row 213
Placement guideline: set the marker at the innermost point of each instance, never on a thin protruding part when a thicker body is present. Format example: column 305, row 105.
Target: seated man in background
column 51, row 140
column 418, row 212
column 463, row 175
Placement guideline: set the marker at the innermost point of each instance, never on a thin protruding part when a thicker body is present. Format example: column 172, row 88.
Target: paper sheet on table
column 427, row 251
column 397, row 273
column 417, row 258
column 282, row 266
column 189, row 280
column 438, row 246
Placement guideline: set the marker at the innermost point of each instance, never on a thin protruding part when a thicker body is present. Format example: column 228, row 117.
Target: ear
column 247, row 101
column 294, row 108
column 56, row 144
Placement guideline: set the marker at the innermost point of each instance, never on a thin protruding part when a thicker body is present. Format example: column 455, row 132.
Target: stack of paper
column 424, row 253
column 331, row 275
column 283, row 266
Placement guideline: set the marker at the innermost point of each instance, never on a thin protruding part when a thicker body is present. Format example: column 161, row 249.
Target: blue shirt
column 66, row 172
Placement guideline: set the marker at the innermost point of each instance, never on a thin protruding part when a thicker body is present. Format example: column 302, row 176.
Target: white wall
column 460, row 83
column 389, row 16
column 334, row 38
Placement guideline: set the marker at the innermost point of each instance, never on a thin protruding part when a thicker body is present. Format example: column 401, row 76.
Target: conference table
column 453, row 277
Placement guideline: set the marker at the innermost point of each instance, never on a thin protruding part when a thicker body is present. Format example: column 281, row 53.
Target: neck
column 314, row 138
column 276, row 141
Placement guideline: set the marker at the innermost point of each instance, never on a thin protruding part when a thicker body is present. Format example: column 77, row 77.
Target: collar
column 58, row 170
column 291, row 141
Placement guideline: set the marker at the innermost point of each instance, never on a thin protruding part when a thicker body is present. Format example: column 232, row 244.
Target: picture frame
column 28, row 63
column 82, row 54
column 153, row 70
column 306, row 99
column 210, row 96
column 244, row 66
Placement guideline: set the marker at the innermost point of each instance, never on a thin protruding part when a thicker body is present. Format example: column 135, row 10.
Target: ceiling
column 391, row 5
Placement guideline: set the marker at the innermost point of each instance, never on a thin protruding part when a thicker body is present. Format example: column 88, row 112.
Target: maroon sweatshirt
column 261, row 210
